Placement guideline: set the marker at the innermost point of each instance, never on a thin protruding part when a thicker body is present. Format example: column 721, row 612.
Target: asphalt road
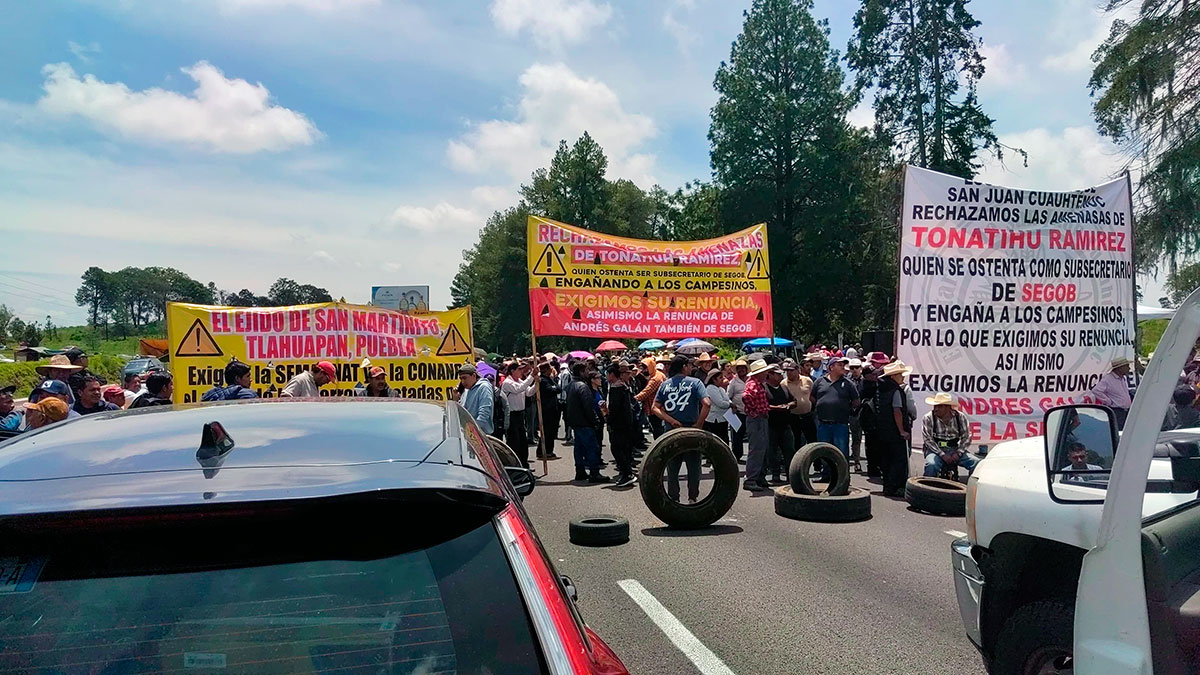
column 762, row 593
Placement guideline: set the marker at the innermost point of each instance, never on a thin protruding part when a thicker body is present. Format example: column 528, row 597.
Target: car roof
column 282, row 449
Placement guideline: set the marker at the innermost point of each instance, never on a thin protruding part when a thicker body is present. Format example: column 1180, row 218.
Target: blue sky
column 351, row 143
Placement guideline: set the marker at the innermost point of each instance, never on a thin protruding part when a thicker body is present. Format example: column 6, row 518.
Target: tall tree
column 923, row 61
column 1182, row 282
column 779, row 135
column 1147, row 79
column 6, row 317
column 94, row 294
column 284, row 292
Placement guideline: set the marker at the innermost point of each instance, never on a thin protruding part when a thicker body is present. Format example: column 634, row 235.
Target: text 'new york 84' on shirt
column 682, row 397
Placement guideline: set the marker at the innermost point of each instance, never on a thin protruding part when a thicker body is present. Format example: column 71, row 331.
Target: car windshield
column 449, row 608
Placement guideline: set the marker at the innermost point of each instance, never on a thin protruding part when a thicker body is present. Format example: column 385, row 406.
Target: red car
column 277, row 537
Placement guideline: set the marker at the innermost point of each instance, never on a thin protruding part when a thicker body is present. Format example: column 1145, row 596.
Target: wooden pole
column 538, row 396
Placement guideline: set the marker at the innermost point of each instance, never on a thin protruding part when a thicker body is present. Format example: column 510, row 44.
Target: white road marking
column 702, row 657
column 956, row 533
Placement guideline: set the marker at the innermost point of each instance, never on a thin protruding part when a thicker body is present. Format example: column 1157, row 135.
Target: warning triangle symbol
column 550, row 263
column 675, row 262
column 575, row 316
column 756, row 267
column 596, row 260
column 748, row 257
column 198, row 342
column 545, row 310
column 645, row 294
column 561, row 251
column 544, row 284
column 453, row 344
column 760, row 315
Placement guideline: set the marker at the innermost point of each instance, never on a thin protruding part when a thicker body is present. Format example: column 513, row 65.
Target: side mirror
column 522, row 479
column 1081, row 442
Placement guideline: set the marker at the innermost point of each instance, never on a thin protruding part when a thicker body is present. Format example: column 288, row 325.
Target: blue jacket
column 229, row 393
column 478, row 401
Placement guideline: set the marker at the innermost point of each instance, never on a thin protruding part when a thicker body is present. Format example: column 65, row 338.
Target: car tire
column 936, row 495
column 726, row 477
column 599, row 531
column 1036, row 635
column 855, row 505
column 801, row 466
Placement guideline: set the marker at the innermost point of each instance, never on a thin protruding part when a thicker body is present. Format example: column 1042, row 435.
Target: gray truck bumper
column 968, row 586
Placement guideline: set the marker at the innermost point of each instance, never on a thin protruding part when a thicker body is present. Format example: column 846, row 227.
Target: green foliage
column 25, row 376
column 1182, row 282
column 1147, row 92
column 919, row 55
column 1149, row 333
column 287, row 292
column 6, row 317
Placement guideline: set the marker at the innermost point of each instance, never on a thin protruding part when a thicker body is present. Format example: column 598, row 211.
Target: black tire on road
column 599, row 531
column 856, row 505
column 1035, row 636
column 936, row 495
column 801, row 467
column 725, row 478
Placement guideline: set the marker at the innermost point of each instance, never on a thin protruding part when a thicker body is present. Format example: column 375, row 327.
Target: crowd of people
column 764, row 409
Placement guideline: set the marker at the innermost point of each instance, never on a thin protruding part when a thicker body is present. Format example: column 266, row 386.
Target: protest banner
column 420, row 352
column 588, row 284
column 1014, row 300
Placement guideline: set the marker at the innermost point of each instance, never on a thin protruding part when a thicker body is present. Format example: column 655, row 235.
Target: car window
column 450, row 608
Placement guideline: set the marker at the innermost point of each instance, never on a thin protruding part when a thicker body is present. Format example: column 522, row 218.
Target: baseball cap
column 855, row 363
column 54, row 409
column 74, row 354
column 9, row 389
column 327, row 368
column 49, row 388
column 789, row 364
column 377, row 371
column 467, row 369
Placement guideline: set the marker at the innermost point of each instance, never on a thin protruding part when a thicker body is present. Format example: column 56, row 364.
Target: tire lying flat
column 801, row 466
column 936, row 495
column 599, row 531
column 855, row 505
column 725, row 470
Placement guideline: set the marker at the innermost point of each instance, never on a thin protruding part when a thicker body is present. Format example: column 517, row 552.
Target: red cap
column 377, row 371
column 327, row 368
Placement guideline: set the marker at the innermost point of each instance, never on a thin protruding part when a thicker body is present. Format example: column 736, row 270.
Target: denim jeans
column 835, row 434
column 693, row 475
column 587, row 449
column 934, row 463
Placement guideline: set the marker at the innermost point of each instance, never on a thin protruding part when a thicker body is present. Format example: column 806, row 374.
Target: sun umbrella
column 766, row 342
column 695, row 347
column 672, row 344
column 611, row 346
column 485, row 369
column 652, row 343
column 580, row 355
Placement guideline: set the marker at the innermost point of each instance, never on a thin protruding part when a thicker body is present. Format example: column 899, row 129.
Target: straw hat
column 57, row 362
column 1120, row 361
column 942, row 398
column 896, row 367
column 704, row 358
column 759, row 367
column 740, row 362
column 715, row 372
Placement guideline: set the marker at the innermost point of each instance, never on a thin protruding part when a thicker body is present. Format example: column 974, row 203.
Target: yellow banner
column 591, row 284
column 420, row 352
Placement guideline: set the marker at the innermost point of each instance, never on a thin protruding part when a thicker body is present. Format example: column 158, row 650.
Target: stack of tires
column 837, row 503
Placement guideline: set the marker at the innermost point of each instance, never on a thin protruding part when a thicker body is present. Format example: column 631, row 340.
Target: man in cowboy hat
column 947, row 435
column 1113, row 389
column 894, row 413
column 757, row 427
column 60, row 368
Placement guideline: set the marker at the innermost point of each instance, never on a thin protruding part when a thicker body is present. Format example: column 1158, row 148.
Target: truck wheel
column 936, row 495
column 599, row 531
column 708, row 510
column 823, row 508
column 801, row 466
column 1036, row 639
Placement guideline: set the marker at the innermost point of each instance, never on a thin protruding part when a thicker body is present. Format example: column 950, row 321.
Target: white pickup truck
column 1083, row 553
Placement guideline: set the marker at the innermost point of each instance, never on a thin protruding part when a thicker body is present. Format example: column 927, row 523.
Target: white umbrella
column 695, row 347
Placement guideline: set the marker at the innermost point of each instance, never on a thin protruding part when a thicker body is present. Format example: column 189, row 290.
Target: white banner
column 1014, row 300
column 401, row 298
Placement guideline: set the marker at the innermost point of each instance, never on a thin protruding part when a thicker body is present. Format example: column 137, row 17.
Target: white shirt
column 302, row 386
column 516, row 392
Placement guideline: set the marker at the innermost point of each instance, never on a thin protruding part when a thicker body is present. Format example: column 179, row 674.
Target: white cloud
column 221, row 115
column 684, row 35
column 556, row 104
column 83, row 52
column 322, row 257
column 551, row 22
column 442, row 217
column 1083, row 26
column 1076, row 158
column 1000, row 69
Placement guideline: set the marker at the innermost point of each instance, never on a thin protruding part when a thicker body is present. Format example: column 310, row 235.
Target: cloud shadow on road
column 711, row 531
